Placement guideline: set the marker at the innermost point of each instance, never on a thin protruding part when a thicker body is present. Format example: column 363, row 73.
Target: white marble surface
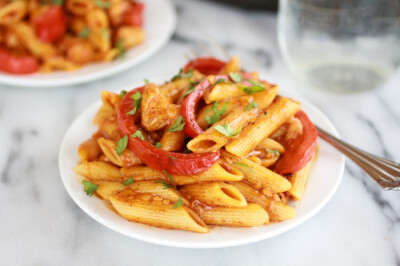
column 40, row 224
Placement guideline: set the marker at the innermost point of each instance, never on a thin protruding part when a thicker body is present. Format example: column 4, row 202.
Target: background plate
column 159, row 24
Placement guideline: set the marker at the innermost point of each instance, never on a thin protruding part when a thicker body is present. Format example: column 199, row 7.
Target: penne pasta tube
column 173, row 141
column 108, row 189
column 277, row 210
column 263, row 100
column 212, row 140
column 127, row 157
column 258, row 176
column 266, row 123
column 268, row 162
column 223, row 91
column 99, row 171
column 217, row 172
column 232, row 66
column 214, row 194
column 250, row 215
column 105, row 112
column 299, row 181
column 270, row 144
column 89, row 150
column 159, row 215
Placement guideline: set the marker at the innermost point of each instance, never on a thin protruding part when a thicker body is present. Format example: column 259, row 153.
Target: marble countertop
column 41, row 225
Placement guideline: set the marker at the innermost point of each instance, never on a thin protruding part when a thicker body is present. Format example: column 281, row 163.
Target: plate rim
column 41, row 82
column 203, row 245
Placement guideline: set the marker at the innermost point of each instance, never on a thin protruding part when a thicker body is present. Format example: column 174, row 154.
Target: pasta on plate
column 63, row 35
column 214, row 146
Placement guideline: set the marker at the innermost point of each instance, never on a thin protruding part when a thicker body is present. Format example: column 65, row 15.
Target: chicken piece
column 155, row 105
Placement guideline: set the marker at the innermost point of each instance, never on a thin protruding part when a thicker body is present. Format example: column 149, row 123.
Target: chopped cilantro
column 178, row 203
column 89, row 187
column 166, row 185
column 251, row 105
column 85, row 32
column 138, row 134
column 102, row 4
column 121, row 145
column 170, row 179
column 178, row 125
column 236, row 77
column 227, row 130
column 128, row 181
column 217, row 113
column 158, row 145
column 137, row 97
column 243, row 165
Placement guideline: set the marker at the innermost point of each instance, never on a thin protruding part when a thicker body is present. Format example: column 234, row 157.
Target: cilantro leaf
column 105, row 33
column 236, row 77
column 220, row 80
column 158, row 145
column 137, row 97
column 121, row 145
column 172, row 157
column 243, row 165
column 178, row 125
column 182, row 75
column 177, row 76
column 58, row 2
column 178, row 203
column 128, row 181
column 85, row 32
column 274, row 151
column 217, row 113
column 170, row 179
column 251, row 105
column 89, row 187
column 122, row 93
column 166, row 185
column 227, row 130
column 191, row 89
column 257, row 87
column 102, row 4
column 138, row 134
column 120, row 47
column 146, row 81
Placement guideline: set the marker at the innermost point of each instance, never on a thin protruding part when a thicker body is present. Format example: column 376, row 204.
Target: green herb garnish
column 243, row 165
column 182, row 75
column 236, row 77
column 172, row 157
column 102, row 4
column 85, row 32
column 227, row 130
column 58, row 2
column 146, row 81
column 120, row 47
column 217, row 113
column 128, row 181
column 122, row 93
column 158, row 145
column 169, row 177
column 274, row 151
column 251, row 105
column 89, row 187
column 121, row 145
column 178, row 203
column 137, row 97
column 178, row 125
column 166, row 185
column 220, row 80
column 138, row 134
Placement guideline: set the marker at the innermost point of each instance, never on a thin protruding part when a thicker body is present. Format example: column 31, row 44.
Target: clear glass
column 340, row 45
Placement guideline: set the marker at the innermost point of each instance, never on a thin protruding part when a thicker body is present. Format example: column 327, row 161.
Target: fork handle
column 385, row 172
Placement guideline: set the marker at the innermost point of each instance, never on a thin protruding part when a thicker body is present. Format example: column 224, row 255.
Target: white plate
column 324, row 179
column 159, row 24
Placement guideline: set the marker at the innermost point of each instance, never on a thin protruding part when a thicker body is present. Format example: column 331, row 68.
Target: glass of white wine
column 340, row 45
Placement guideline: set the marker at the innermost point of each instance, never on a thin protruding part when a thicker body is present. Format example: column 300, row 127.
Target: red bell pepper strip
column 299, row 151
column 17, row 64
column 155, row 158
column 51, row 25
column 133, row 16
column 205, row 65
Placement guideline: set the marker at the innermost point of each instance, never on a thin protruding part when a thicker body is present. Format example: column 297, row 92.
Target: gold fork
column 385, row 172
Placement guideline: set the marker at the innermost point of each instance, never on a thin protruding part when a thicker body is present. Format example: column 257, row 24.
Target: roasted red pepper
column 51, row 25
column 205, row 65
column 155, row 158
column 133, row 16
column 300, row 150
column 17, row 64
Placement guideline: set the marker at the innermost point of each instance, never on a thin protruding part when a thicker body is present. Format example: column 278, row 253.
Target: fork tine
column 219, row 47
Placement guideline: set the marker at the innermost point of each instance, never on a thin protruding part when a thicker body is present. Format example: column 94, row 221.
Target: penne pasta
column 99, row 171
column 127, row 158
column 250, row 215
column 257, row 175
column 214, row 194
column 277, row 210
column 299, row 181
column 158, row 214
column 275, row 115
column 212, row 140
column 89, row 150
